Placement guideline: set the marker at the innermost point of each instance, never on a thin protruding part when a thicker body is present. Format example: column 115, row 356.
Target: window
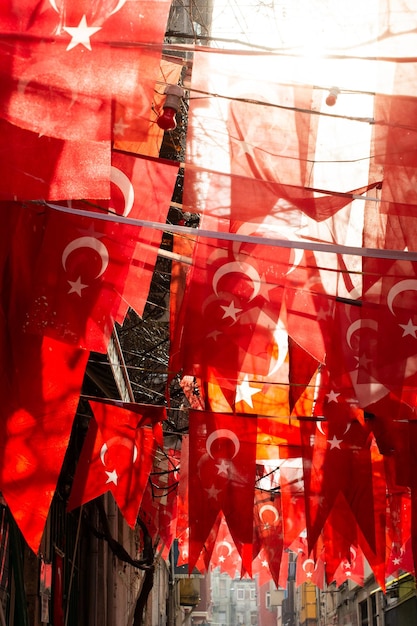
column 252, row 594
column 363, row 613
column 268, row 599
column 374, row 611
column 240, row 594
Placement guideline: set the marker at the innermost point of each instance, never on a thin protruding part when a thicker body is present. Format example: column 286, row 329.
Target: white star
column 223, row 467
column 309, row 574
column 334, row 442
column 409, row 329
column 213, row 492
column 214, row 334
column 230, row 311
column 246, row 148
column 112, row 477
column 396, row 561
column 264, row 563
column 363, row 361
column 245, row 392
column 119, row 127
column 77, row 286
column 222, row 559
column 332, row 396
column 81, row 34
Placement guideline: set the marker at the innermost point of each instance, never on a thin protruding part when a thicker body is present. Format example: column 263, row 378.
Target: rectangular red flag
column 117, row 456
column 221, row 477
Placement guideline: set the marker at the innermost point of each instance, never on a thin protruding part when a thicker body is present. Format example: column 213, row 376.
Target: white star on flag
column 119, row 127
column 332, row 396
column 230, row 311
column 77, row 286
column 223, row 467
column 409, row 329
column 81, row 34
column 245, row 392
column 213, row 492
column 334, row 442
column 112, row 477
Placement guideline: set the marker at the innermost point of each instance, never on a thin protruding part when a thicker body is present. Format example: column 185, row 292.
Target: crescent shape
column 269, row 507
column 119, row 6
column 87, row 242
column 320, row 427
column 227, row 434
column 227, row 545
column 347, row 429
column 409, row 284
column 120, row 179
column 281, row 338
column 353, row 553
column 357, row 325
column 53, row 5
column 242, row 268
column 103, row 453
column 308, row 561
column 124, row 441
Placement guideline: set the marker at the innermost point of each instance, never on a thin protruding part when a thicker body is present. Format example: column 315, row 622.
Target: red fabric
column 89, row 271
column 117, row 456
column 309, row 567
column 269, row 529
column 230, row 308
column 221, row 478
column 67, row 169
column 351, row 569
column 68, row 94
column 41, row 381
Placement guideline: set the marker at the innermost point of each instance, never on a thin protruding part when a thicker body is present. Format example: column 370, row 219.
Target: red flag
column 309, row 567
column 222, row 477
column 41, row 381
column 117, row 456
column 351, row 569
column 269, row 529
column 88, row 267
column 68, row 94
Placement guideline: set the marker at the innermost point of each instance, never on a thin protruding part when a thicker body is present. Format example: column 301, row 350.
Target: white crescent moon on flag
column 120, row 179
column 320, row 427
column 308, row 561
column 119, row 6
column 353, row 553
column 409, row 284
column 222, row 433
column 281, row 339
column 123, row 441
column 241, row 268
column 358, row 325
column 269, row 507
column 226, row 544
column 53, row 5
column 87, row 242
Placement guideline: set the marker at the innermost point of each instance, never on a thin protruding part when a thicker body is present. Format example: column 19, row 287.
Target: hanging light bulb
column 167, row 120
column 332, row 97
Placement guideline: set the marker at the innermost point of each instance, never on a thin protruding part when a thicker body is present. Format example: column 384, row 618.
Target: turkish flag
column 60, row 72
column 117, row 456
column 221, row 477
column 230, row 308
column 352, row 568
column 309, row 567
column 268, row 529
column 41, row 379
column 89, row 269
